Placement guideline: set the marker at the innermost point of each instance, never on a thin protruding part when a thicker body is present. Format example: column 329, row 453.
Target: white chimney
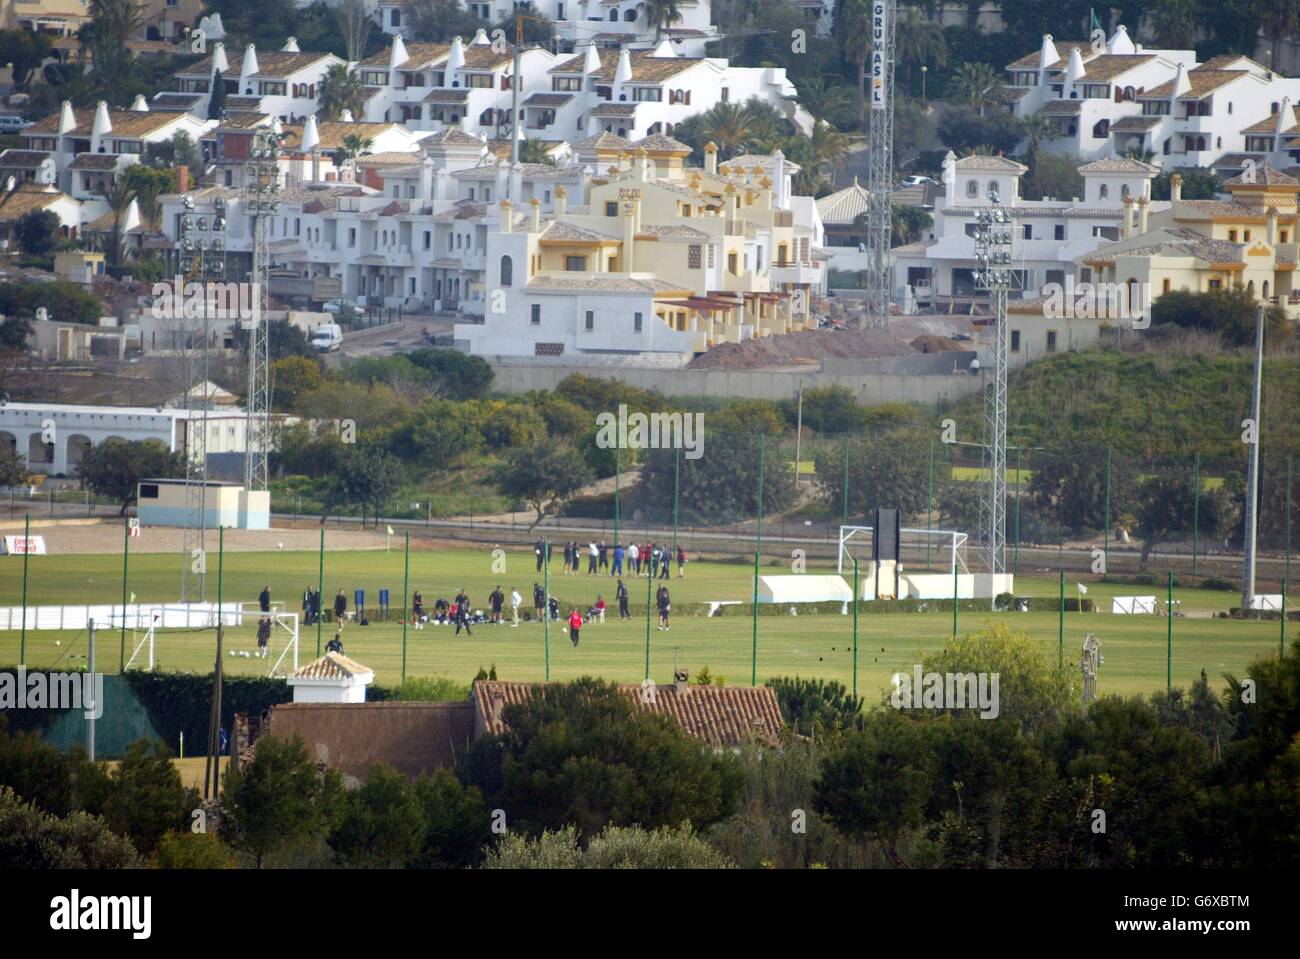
column 623, row 72
column 562, row 201
column 397, row 55
column 219, row 61
column 1073, row 72
column 311, row 144
column 517, row 182
column 507, row 216
column 1127, row 232
column 455, row 59
column 711, row 158
column 1284, row 119
column 1272, row 226
column 503, row 178
column 536, row 204
column 131, row 218
column 591, row 59
column 1047, row 55
column 480, row 38
column 584, row 185
column 345, row 116
column 442, row 186
column 102, row 126
column 780, row 199
column 290, row 46
column 139, row 105
column 1176, row 188
column 1121, row 43
column 426, row 178
column 67, row 119
column 1181, row 86
column 249, row 67
column 1144, row 212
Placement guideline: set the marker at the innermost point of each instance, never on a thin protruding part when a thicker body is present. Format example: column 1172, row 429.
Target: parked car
column 10, row 123
column 337, row 306
column 326, row 338
column 916, row 180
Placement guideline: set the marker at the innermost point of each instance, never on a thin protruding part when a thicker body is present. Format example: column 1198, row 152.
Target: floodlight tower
column 203, row 259
column 261, row 201
column 880, row 173
column 994, row 236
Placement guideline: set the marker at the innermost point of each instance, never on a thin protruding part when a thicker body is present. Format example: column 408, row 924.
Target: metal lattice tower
column 880, row 173
column 202, row 260
column 261, row 192
column 994, row 237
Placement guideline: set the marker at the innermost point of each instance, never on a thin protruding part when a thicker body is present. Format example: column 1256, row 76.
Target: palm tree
column 976, row 84
column 340, row 89
column 919, row 41
column 1140, row 153
column 727, row 125
column 112, row 24
column 853, row 34
column 1279, row 19
column 119, row 196
column 354, row 145
column 828, row 147
column 661, row 14
column 824, row 97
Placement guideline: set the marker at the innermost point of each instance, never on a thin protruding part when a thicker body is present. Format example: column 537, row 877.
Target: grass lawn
column 820, row 646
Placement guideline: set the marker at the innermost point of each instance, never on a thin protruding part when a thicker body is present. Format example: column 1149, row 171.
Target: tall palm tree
column 976, row 84
column 727, row 125
column 661, row 14
column 918, row 41
column 112, row 24
column 1176, row 22
column 118, row 197
column 853, row 34
column 824, row 97
column 340, row 89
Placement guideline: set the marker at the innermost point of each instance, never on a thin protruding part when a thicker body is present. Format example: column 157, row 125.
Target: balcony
column 789, row 271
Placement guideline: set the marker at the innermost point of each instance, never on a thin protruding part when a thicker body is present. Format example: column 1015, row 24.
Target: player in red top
column 575, row 624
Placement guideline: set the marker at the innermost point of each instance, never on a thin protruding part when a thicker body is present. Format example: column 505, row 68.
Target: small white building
column 334, row 678
column 166, row 502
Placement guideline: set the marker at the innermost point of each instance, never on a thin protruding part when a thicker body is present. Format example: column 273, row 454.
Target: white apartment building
column 1049, row 234
column 89, row 146
column 282, row 83
column 633, row 93
column 1122, row 97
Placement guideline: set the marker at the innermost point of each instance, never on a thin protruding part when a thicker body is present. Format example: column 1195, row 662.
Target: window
column 972, row 188
column 647, row 95
column 428, row 240
column 1283, row 236
column 352, row 236
column 148, row 490
column 395, row 18
column 1166, row 285
column 693, row 257
column 1246, row 236
column 575, row 264
column 611, row 208
column 507, row 271
column 1028, row 231
column 591, row 320
column 1232, row 236
column 731, row 264
column 536, row 318
column 1058, row 231
column 710, row 257
column 636, row 322
column 1015, row 341
column 1051, row 341
column 972, row 229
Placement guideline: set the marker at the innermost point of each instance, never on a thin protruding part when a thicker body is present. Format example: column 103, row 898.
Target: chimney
column 1272, row 226
column 426, row 178
column 638, row 165
column 622, row 73
column 219, row 61
column 591, row 60
column 584, row 185
column 67, row 119
column 1284, row 119
column 1144, row 212
column 248, row 68
column 681, row 681
column 507, row 216
column 778, row 176
column 345, row 116
column 730, row 199
column 139, row 104
column 310, row 144
column 503, row 178
column 517, row 182
column 182, row 178
column 480, row 38
column 442, row 186
column 627, row 255
column 1176, row 188
column 1127, row 232
column 455, row 60
column 1047, row 55
column 396, row 57
column 711, row 158
column 102, row 126
column 290, row 46
column 536, row 204
column 561, row 201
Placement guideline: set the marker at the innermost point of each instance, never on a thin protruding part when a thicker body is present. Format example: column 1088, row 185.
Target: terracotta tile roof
column 234, row 104
column 721, row 716
column 603, row 141
column 244, row 121
column 572, row 233
column 174, row 101
column 418, row 55
column 615, row 110
column 660, row 143
column 1265, row 175
column 645, row 68
column 1230, row 61
column 1138, row 124
column 671, row 231
column 602, row 283
column 1108, row 66
column 94, row 161
column 333, row 132
column 1203, row 83
column 1180, row 241
column 389, row 159
column 1063, row 47
column 452, row 136
column 280, row 64
column 982, row 162
column 501, row 148
column 547, row 99
column 14, row 159
column 1061, row 108
column 1119, row 165
column 447, row 96
column 126, row 123
column 483, row 57
column 1012, row 94
column 333, row 666
column 26, row 199
column 1269, row 124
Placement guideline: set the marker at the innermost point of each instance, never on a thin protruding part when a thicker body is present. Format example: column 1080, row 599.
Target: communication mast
column 261, row 201
column 880, row 173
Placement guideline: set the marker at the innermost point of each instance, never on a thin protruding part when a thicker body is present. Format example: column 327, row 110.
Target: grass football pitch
column 1134, row 647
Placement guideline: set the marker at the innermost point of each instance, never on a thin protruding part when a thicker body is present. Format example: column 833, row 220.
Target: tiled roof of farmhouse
column 1203, row 83
column 1265, row 175
column 417, row 55
column 722, row 716
column 332, row 666
column 645, row 67
column 1119, row 165
column 125, row 123
column 1269, row 124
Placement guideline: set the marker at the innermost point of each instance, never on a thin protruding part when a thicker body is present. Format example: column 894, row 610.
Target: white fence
column 137, row 616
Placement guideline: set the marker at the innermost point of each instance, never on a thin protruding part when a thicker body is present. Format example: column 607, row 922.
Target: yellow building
column 1249, row 240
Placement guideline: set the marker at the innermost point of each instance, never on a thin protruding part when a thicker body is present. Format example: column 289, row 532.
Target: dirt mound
column 936, row 344
column 807, row 347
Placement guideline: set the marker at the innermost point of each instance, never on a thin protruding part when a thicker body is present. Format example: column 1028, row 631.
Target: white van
column 327, row 338
column 9, row 123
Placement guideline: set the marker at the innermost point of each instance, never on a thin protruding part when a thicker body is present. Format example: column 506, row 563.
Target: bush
column 192, row 850
column 615, row 848
column 32, row 839
column 1214, row 582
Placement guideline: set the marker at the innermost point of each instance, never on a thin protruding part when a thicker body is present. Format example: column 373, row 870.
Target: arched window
column 629, row 16
column 1266, row 289
column 507, row 271
column 1123, row 190
column 613, row 16
column 995, row 187
column 972, row 188
column 1101, row 129
column 1104, row 192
